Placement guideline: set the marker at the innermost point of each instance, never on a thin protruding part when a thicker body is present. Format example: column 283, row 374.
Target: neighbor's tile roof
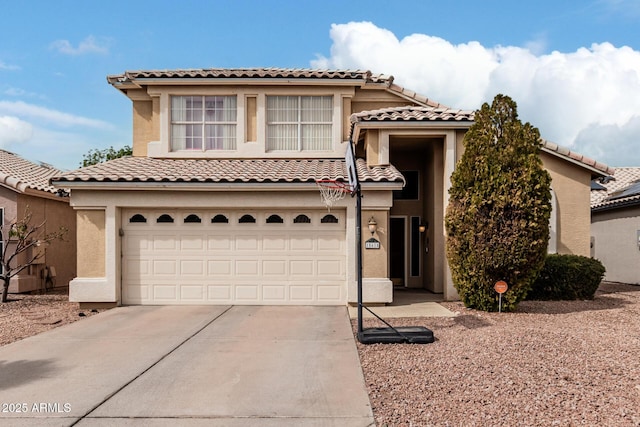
column 21, row 174
column 145, row 169
column 561, row 151
column 615, row 195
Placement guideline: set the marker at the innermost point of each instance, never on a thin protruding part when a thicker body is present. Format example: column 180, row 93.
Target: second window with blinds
column 203, row 123
column 299, row 123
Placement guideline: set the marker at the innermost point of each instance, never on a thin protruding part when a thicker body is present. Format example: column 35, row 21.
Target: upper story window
column 203, row 123
column 299, row 123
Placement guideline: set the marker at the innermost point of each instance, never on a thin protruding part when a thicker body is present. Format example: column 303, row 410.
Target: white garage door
column 233, row 257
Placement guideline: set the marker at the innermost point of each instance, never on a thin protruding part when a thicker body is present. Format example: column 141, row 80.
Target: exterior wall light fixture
column 373, row 225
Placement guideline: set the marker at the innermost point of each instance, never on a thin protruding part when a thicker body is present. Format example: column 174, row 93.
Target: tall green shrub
column 567, row 277
column 497, row 220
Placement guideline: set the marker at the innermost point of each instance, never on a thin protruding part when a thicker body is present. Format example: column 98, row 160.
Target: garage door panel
column 137, row 293
column 247, row 293
column 192, row 267
column 330, row 268
column 164, row 267
column 166, row 293
column 275, row 269
column 301, row 293
column 137, row 243
column 247, row 267
column 222, row 242
column 302, row 243
column 165, row 242
column 301, row 267
column 330, row 244
column 220, row 293
column 247, row 243
column 221, row 267
column 274, row 243
column 137, row 267
column 274, row 293
column 328, row 292
column 192, row 243
column 193, row 293
column 234, row 263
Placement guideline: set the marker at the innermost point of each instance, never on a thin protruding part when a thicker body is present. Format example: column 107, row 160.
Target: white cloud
column 9, row 67
column 23, row 109
column 14, row 130
column 86, row 46
column 565, row 95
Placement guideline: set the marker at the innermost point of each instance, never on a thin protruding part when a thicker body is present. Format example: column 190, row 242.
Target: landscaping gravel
column 30, row 314
column 550, row 363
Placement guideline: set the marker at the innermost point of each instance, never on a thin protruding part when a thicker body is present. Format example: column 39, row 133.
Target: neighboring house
column 24, row 186
column 219, row 203
column 615, row 224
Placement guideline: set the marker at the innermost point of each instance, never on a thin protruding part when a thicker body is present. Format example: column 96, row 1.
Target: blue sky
column 573, row 67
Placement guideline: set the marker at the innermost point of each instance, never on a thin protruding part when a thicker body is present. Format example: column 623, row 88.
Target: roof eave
column 228, row 81
column 595, row 172
column 209, row 186
column 357, row 127
column 618, row 205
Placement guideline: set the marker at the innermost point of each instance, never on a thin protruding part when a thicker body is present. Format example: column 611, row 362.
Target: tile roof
column 146, row 169
column 21, row 174
column 560, row 151
column 615, row 192
column 412, row 113
column 366, row 76
column 252, row 73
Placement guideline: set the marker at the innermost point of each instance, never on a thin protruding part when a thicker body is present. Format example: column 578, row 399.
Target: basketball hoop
column 332, row 191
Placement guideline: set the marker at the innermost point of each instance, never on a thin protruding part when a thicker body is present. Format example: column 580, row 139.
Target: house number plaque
column 372, row 244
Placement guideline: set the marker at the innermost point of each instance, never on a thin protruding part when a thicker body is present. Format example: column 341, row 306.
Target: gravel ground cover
column 571, row 363
column 30, row 314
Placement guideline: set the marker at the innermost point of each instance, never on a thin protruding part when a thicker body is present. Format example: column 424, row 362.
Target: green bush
column 497, row 220
column 567, row 277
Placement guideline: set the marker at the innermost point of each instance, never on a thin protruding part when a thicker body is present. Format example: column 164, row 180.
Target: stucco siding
column 60, row 255
column 143, row 129
column 8, row 201
column 91, row 243
column 571, row 184
column 615, row 243
column 374, row 261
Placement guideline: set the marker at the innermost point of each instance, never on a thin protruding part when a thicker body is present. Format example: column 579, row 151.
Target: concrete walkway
column 408, row 303
column 214, row 366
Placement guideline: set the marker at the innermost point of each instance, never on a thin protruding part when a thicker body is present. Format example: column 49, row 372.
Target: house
column 219, row 202
column 615, row 224
column 24, row 187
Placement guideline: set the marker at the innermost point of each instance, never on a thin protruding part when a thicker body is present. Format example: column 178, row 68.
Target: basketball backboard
column 352, row 171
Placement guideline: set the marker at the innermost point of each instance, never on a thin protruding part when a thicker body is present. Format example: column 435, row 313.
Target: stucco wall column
column 450, row 292
column 92, row 285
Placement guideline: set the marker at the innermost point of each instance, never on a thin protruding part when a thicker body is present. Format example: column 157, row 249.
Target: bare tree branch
column 27, row 240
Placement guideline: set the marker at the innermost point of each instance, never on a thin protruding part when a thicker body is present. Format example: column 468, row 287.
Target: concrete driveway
column 203, row 365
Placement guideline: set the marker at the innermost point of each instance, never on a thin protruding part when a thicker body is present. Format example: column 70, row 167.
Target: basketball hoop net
column 332, row 191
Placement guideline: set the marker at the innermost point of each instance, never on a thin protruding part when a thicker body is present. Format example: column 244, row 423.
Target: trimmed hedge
column 567, row 277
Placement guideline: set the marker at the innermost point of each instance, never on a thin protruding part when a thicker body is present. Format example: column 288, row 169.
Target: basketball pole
column 359, row 255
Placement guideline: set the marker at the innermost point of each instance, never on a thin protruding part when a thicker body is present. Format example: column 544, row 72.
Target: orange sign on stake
column 501, row 287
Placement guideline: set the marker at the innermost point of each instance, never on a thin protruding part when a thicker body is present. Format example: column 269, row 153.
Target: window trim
column 299, row 123
column 159, row 99
column 203, row 122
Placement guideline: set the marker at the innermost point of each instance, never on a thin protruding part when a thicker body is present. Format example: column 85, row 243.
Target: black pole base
column 396, row 335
